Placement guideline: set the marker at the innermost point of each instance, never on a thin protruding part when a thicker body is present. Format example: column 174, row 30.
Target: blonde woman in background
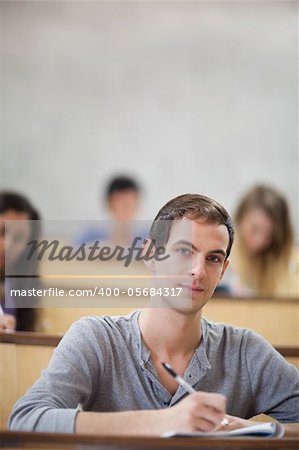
column 265, row 260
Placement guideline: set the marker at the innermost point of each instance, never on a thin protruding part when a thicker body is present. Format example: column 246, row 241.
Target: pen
column 184, row 383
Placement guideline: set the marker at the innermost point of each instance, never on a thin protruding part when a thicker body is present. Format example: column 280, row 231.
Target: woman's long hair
column 25, row 317
column 265, row 271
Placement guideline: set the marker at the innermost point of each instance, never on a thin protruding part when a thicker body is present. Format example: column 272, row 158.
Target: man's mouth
column 192, row 288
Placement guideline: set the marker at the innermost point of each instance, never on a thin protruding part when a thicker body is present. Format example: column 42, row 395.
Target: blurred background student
column 122, row 199
column 13, row 239
column 264, row 260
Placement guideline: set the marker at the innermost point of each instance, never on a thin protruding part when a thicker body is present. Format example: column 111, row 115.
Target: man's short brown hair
column 193, row 207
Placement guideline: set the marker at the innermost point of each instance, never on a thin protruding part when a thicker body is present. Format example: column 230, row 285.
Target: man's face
column 196, row 263
column 123, row 205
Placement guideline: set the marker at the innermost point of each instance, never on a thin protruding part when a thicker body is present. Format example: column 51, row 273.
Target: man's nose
column 198, row 269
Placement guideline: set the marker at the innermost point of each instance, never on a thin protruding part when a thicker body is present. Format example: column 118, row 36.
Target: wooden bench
column 23, row 356
column 276, row 319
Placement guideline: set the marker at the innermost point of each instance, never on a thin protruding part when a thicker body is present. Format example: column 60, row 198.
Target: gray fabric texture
column 103, row 364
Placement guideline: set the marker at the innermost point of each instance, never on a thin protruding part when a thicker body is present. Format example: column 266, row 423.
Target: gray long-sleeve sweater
column 103, row 364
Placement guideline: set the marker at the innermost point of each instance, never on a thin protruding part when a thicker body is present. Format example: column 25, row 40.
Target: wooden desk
column 17, row 440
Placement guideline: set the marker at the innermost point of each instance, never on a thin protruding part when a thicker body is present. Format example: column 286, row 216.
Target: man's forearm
column 199, row 411
column 143, row 423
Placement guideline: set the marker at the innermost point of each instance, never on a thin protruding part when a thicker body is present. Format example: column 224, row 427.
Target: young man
column 122, row 200
column 112, row 365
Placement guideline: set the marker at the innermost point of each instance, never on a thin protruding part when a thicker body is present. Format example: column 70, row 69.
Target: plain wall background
column 187, row 96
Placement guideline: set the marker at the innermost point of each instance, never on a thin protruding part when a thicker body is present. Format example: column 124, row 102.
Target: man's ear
column 225, row 265
column 148, row 252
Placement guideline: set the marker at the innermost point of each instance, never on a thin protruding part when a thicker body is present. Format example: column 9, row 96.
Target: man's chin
column 189, row 311
column 187, row 305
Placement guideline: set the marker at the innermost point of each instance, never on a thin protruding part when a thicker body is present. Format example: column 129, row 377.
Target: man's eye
column 214, row 259
column 184, row 251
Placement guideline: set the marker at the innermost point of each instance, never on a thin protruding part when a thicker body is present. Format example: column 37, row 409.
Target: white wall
column 190, row 97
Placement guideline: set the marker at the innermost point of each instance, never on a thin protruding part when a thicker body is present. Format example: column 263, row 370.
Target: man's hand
column 236, row 422
column 200, row 411
column 7, row 323
column 291, row 429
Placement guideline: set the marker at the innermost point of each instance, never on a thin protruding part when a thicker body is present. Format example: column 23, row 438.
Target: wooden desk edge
column 16, row 438
column 288, row 351
column 256, row 299
column 30, row 338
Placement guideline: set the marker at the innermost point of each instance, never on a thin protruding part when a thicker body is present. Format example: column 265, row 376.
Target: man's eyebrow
column 222, row 252
column 183, row 242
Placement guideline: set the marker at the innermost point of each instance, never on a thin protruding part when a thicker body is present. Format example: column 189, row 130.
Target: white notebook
column 266, row 429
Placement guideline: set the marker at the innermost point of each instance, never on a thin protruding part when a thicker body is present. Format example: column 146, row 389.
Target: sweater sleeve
column 73, row 372
column 274, row 381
